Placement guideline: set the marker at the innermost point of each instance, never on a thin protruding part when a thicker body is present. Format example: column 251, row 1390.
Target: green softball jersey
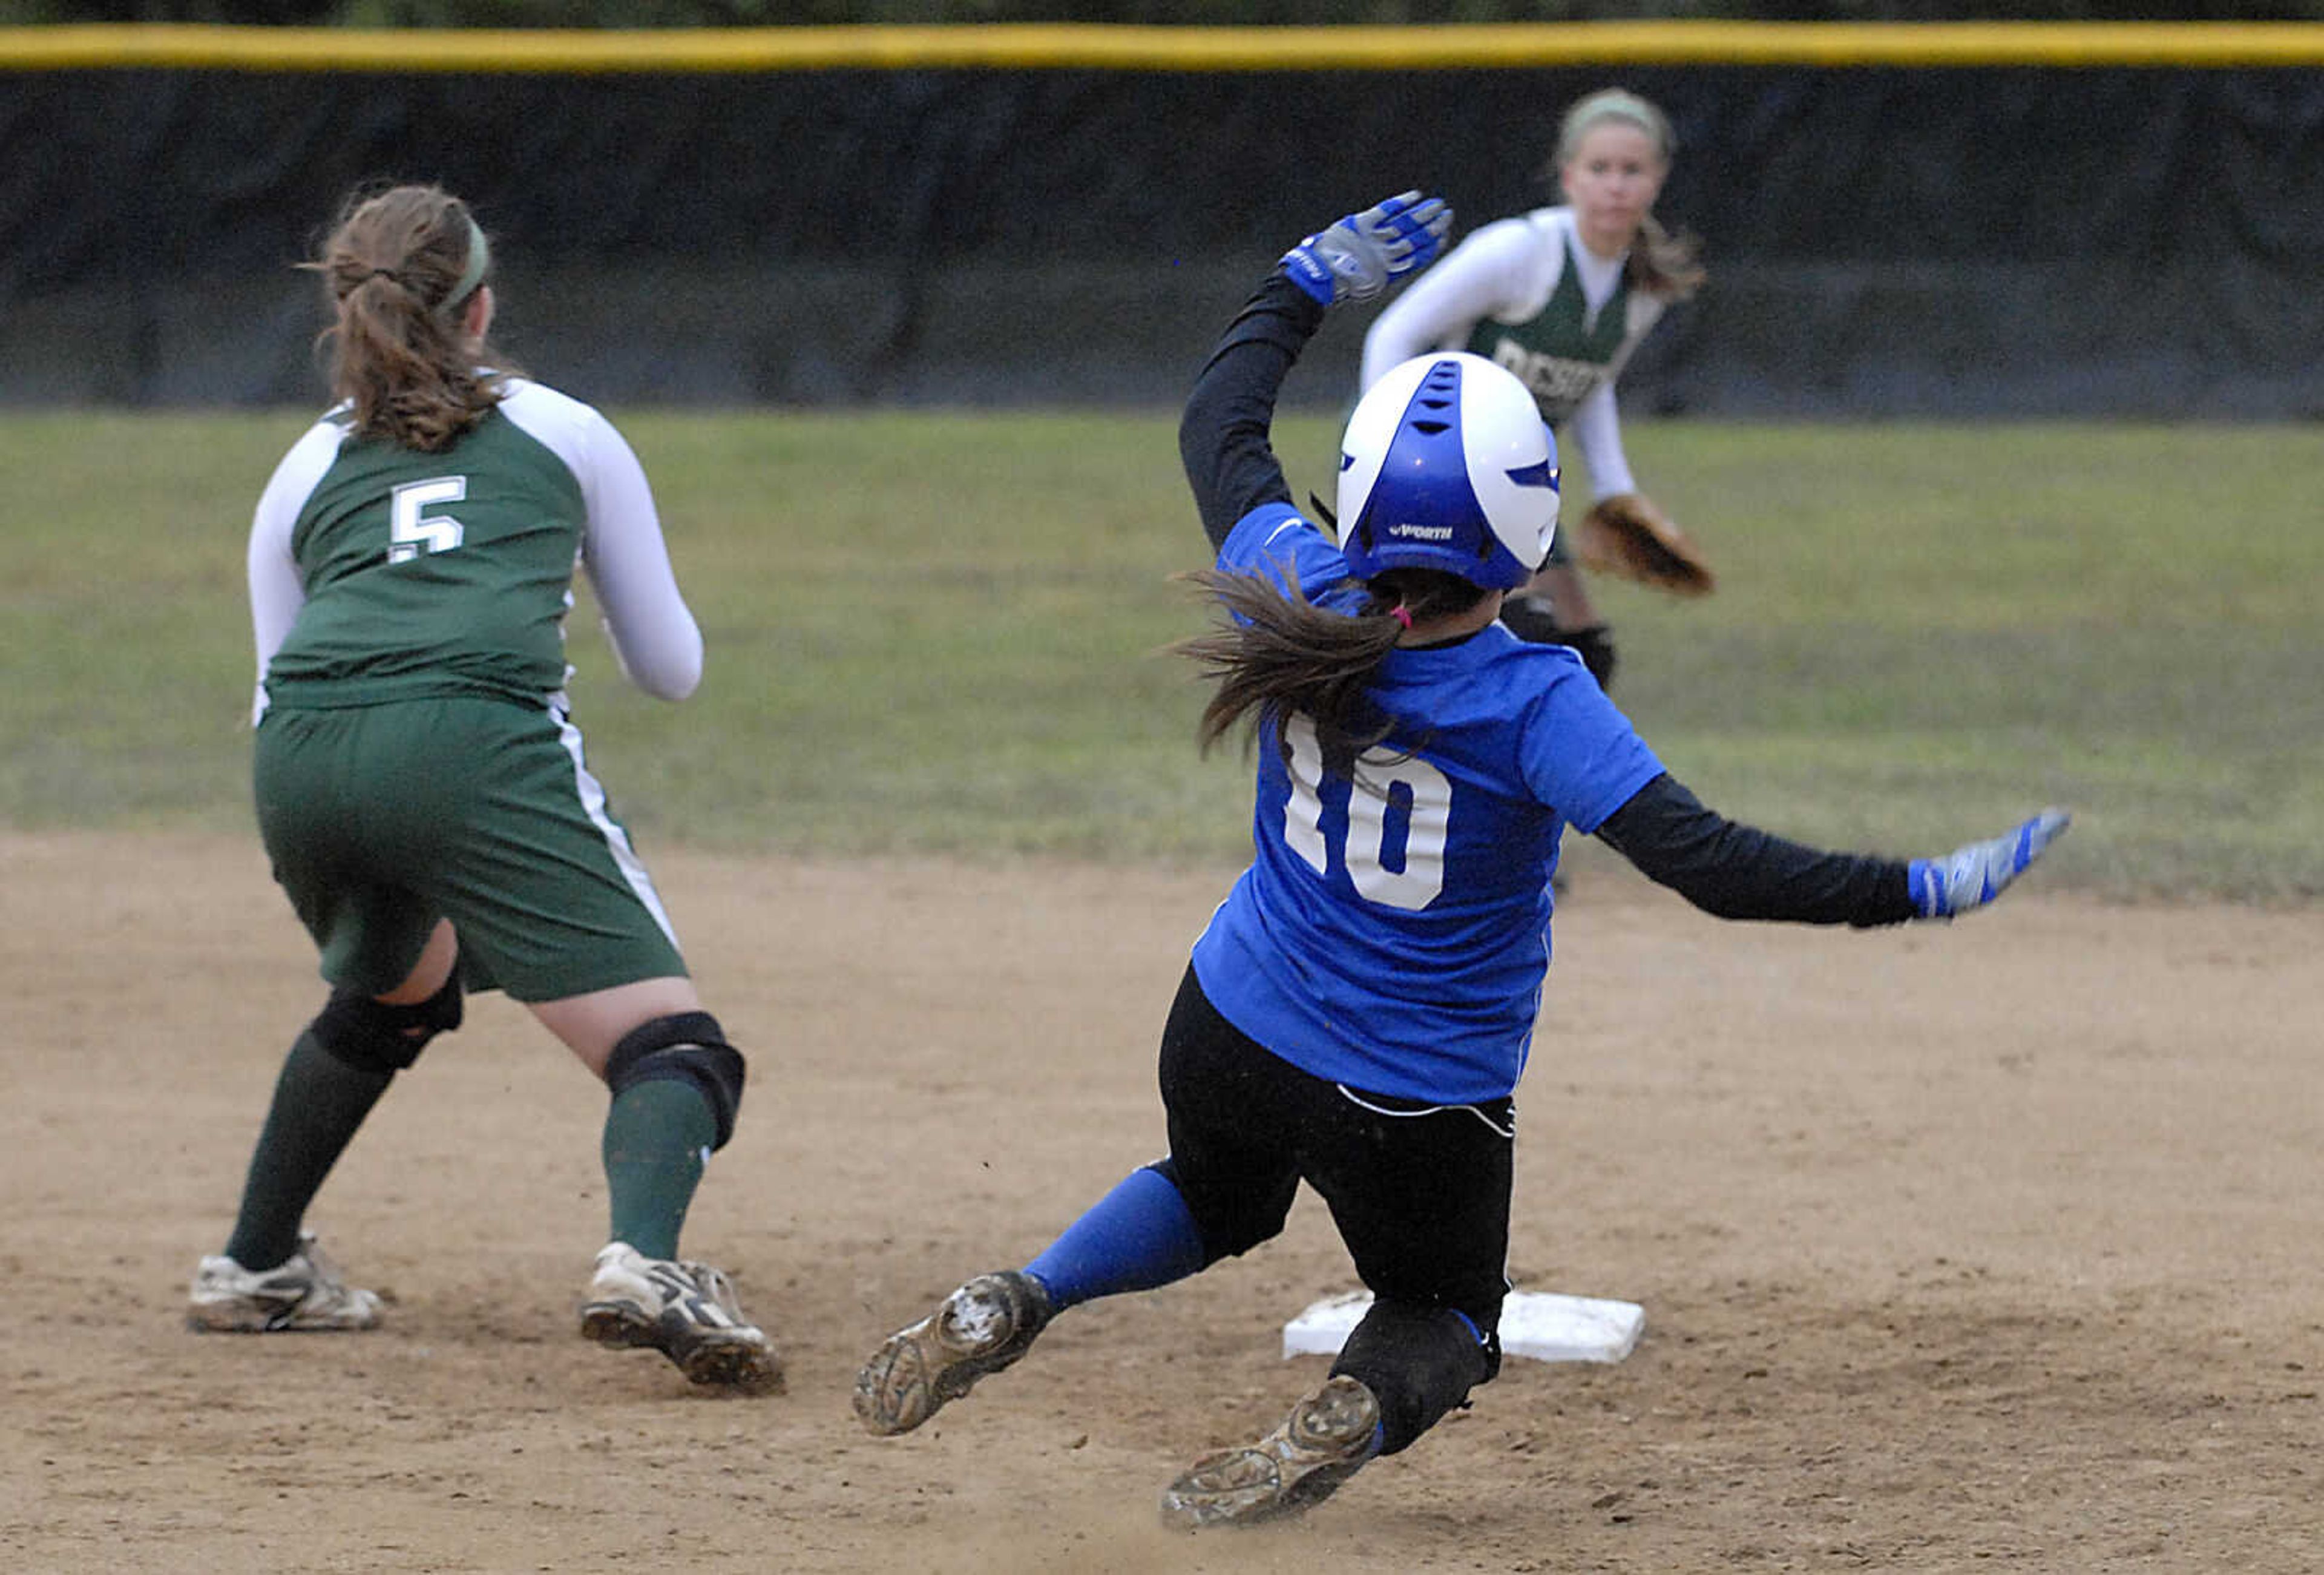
column 433, row 574
column 1564, row 350
column 378, row 573
column 1527, row 293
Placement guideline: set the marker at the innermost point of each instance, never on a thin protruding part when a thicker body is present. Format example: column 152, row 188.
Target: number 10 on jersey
column 1386, row 792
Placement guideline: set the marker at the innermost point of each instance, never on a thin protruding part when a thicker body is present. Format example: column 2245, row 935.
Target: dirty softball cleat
column 686, row 1310
column 1326, row 1441
column 980, row 1328
column 303, row 1294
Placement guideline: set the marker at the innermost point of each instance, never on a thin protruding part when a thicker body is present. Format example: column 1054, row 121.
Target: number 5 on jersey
column 411, row 529
column 1385, row 786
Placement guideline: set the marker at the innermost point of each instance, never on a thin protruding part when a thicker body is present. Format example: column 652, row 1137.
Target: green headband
column 480, row 257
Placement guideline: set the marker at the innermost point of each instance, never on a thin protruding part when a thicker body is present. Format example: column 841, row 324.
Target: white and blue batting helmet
column 1446, row 465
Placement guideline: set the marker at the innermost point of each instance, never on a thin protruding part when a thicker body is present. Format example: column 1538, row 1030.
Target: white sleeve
column 1598, row 433
column 276, row 591
column 652, row 631
column 1596, row 426
column 1486, row 275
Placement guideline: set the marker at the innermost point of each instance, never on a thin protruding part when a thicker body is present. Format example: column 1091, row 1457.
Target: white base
column 1539, row 1324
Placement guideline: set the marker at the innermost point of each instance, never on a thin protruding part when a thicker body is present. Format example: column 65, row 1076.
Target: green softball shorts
column 380, row 820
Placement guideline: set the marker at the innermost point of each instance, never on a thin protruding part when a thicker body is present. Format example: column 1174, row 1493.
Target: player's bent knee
column 1229, row 1224
column 1420, row 1361
column 372, row 1036
column 683, row 1047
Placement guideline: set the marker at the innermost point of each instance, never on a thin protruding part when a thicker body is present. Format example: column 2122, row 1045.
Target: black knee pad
column 372, row 1036
column 1595, row 646
column 686, row 1048
column 1532, row 616
column 1420, row 1362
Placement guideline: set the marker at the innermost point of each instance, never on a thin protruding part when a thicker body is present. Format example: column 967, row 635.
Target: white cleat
column 686, row 1310
column 302, row 1294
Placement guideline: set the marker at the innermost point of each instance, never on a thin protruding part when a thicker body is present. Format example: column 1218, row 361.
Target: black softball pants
column 1420, row 1194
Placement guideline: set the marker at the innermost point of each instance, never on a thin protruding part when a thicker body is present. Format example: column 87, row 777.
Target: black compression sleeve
column 1223, row 437
column 1738, row 872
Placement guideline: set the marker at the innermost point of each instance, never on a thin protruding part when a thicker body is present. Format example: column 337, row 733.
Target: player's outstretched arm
column 1224, row 433
column 1737, row 872
column 1969, row 878
column 1361, row 255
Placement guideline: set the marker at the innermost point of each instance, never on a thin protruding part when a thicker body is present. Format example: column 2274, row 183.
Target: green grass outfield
column 936, row 632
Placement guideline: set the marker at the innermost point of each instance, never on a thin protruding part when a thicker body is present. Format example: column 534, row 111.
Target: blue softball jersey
column 1392, row 931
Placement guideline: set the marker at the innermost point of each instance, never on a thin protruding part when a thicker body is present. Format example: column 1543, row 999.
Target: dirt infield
column 1992, row 1246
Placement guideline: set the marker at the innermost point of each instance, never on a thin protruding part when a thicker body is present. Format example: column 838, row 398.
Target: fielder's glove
column 1625, row 535
column 1361, row 255
column 1971, row 876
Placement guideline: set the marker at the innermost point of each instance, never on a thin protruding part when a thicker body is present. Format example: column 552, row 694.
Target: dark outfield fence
column 1900, row 219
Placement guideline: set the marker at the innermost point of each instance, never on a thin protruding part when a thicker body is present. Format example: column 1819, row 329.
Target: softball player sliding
column 1359, row 1010
column 422, row 791
column 1562, row 296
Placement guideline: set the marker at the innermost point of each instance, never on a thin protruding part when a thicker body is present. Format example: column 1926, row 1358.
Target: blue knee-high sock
column 1140, row 1235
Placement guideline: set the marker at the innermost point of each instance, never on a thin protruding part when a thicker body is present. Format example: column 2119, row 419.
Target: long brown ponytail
column 399, row 269
column 1272, row 651
column 1662, row 263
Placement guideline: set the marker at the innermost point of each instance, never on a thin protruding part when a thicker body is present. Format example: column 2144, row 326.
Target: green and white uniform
column 415, row 759
column 1527, row 293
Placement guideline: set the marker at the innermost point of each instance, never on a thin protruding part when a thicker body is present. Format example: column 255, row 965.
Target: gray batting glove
column 1364, row 252
column 1969, row 878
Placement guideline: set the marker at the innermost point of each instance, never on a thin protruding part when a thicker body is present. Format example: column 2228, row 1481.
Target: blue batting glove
column 1364, row 252
column 1973, row 876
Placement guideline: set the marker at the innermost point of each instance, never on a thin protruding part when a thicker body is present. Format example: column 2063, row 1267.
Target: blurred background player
column 423, row 794
column 1359, row 1010
column 1561, row 297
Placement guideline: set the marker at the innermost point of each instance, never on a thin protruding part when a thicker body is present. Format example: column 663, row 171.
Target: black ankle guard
column 685, row 1048
column 370, row 1036
column 1420, row 1361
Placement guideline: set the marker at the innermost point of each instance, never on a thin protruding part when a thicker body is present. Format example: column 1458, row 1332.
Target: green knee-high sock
column 657, row 1138
column 319, row 1102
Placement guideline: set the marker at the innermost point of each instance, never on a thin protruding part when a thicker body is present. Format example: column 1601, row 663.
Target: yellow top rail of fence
column 999, row 46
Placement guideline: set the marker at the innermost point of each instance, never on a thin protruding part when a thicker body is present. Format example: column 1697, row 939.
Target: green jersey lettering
column 1559, row 352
